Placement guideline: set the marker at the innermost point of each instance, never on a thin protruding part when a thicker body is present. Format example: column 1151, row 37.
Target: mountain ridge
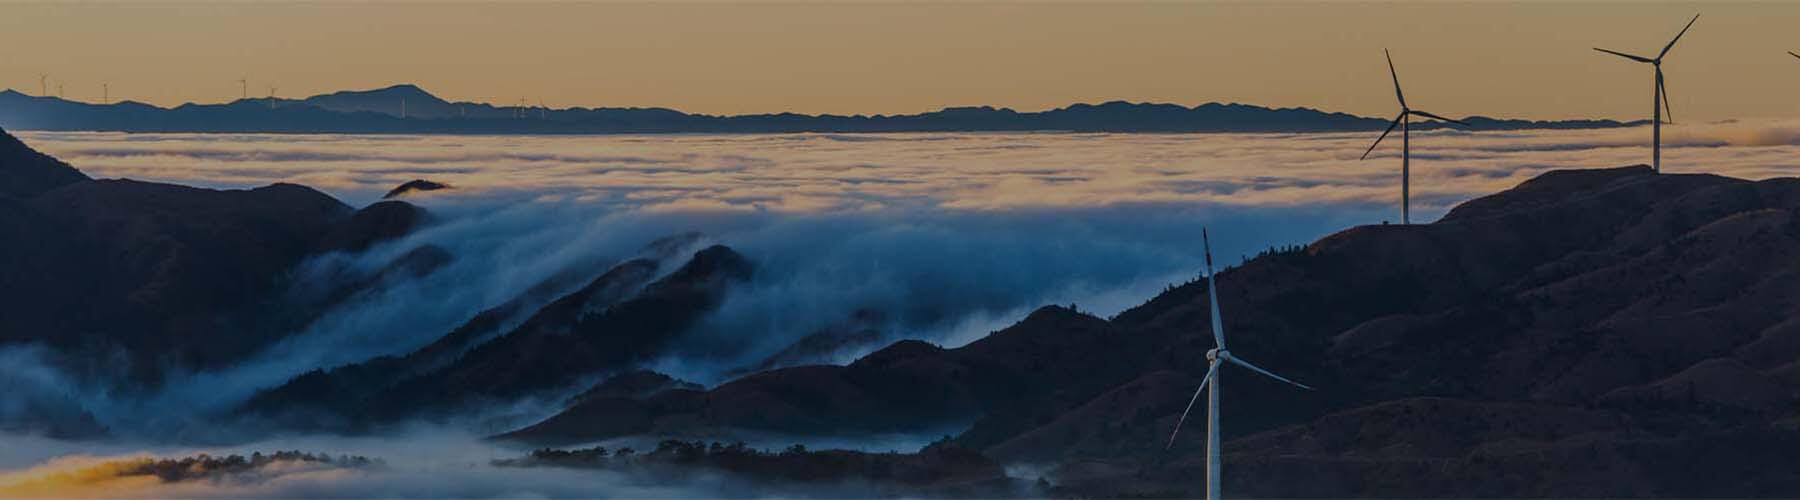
column 406, row 108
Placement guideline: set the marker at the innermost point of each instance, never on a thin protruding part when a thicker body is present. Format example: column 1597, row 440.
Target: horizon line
column 779, row 113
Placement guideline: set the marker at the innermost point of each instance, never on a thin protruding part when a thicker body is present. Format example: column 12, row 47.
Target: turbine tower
column 1404, row 121
column 1660, row 100
column 105, row 93
column 271, row 97
column 43, row 85
column 244, row 87
column 1215, row 357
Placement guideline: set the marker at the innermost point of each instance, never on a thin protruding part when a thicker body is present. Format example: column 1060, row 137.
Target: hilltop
column 407, row 108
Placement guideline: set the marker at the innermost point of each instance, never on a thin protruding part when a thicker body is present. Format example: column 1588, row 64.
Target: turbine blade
column 1664, row 92
column 1796, row 56
column 1212, row 294
column 1677, row 38
column 1384, row 135
column 1396, row 75
column 1429, row 115
column 1254, row 368
column 1627, row 56
column 1210, row 370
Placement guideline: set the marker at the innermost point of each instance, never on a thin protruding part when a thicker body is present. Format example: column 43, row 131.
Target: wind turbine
column 43, row 86
column 1660, row 100
column 271, row 97
column 1404, row 121
column 244, row 86
column 105, row 93
column 1215, row 357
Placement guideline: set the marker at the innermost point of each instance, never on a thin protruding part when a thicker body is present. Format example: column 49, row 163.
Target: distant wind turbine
column 1659, row 101
column 271, row 97
column 59, row 90
column 244, row 87
column 43, row 86
column 543, row 112
column 1404, row 121
column 1215, row 357
column 105, row 93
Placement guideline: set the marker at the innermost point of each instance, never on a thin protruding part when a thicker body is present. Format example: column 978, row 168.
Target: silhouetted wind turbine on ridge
column 1660, row 101
column 1404, row 121
column 1215, row 357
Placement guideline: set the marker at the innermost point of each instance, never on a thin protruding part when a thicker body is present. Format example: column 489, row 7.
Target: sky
column 1523, row 59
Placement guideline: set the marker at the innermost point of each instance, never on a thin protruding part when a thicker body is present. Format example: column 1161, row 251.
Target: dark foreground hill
column 1589, row 333
column 126, row 281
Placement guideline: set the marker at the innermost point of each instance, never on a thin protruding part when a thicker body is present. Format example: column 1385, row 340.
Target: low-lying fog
column 956, row 234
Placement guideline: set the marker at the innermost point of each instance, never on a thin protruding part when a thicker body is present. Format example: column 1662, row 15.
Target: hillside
column 164, row 277
column 1598, row 328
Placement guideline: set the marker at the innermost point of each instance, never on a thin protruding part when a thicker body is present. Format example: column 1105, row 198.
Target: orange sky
column 1513, row 59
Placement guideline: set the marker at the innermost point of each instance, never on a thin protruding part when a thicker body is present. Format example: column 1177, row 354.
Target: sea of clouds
column 952, row 235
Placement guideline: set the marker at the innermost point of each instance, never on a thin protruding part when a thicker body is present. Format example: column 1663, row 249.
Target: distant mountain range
column 410, row 109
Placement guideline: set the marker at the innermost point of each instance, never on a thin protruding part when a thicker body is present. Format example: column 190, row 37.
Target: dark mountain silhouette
column 378, row 111
column 26, row 173
column 169, row 276
column 413, row 186
column 624, row 316
column 1588, row 333
column 861, row 331
column 633, row 384
column 399, row 100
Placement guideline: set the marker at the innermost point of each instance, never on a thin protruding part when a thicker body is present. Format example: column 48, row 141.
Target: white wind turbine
column 1404, row 121
column 1210, row 384
column 1660, row 100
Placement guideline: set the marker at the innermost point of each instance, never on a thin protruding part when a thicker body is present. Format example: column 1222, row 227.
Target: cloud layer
column 815, row 173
